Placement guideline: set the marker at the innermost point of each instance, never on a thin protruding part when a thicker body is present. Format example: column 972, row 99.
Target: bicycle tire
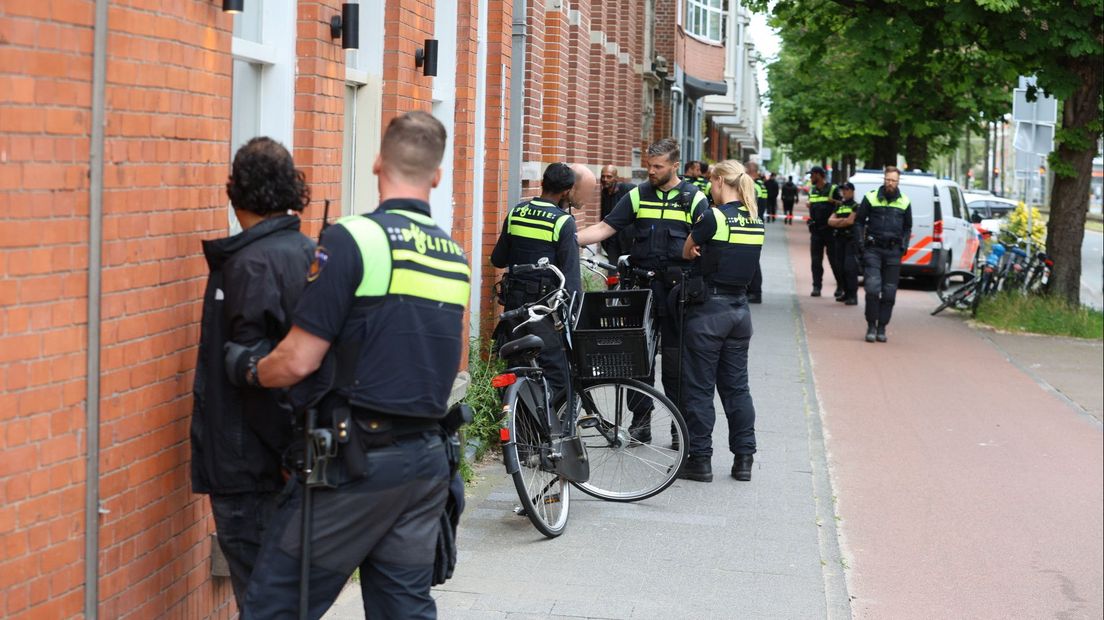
column 947, row 284
column 545, row 497
column 616, row 456
column 960, row 298
column 982, row 290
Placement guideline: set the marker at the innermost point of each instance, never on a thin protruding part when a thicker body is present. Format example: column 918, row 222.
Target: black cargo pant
column 718, row 334
column 847, row 257
column 820, row 243
column 385, row 523
column 667, row 325
column 787, row 209
column 881, row 271
column 553, row 357
column 240, row 522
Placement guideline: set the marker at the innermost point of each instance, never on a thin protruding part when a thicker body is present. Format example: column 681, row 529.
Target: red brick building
column 101, row 272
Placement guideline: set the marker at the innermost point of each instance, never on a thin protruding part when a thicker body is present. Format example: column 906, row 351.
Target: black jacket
column 239, row 435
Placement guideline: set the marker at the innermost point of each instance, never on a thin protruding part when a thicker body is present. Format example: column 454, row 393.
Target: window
column 363, row 102
column 956, row 203
column 263, row 48
column 705, row 19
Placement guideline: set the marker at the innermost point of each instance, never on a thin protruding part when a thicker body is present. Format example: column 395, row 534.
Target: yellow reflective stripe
column 372, row 242
column 721, row 234
column 544, row 223
column 663, row 214
column 414, row 215
column 697, row 200
column 559, row 224
column 531, row 233
column 652, row 203
column 818, row 198
column 428, row 286
column 747, row 229
column 746, row 239
column 634, row 197
column 431, row 262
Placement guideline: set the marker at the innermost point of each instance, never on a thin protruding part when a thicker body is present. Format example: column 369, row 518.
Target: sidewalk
column 764, row 549
column 967, row 488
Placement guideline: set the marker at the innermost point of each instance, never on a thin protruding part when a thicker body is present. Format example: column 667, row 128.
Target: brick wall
column 167, row 157
column 705, row 61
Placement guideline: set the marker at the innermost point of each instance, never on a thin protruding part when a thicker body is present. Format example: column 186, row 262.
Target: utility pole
column 969, row 163
column 988, row 165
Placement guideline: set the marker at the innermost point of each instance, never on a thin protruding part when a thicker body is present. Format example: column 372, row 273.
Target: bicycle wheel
column 630, row 456
column 544, row 495
column 984, row 287
column 951, row 282
column 962, row 298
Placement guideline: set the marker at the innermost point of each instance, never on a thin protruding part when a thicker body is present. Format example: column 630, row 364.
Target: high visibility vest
column 821, row 195
column 538, row 220
column 662, row 222
column 731, row 256
column 760, row 189
column 886, row 218
column 407, row 319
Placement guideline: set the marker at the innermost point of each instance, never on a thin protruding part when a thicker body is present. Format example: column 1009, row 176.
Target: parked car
column 943, row 239
column 988, row 210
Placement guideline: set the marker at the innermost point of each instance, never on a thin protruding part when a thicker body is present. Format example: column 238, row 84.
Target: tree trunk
column 916, row 153
column 1069, row 198
column 885, row 148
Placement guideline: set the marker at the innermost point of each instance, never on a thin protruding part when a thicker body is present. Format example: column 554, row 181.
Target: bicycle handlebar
column 537, row 311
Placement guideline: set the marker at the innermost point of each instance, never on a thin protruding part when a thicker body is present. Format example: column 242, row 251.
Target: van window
column 956, row 202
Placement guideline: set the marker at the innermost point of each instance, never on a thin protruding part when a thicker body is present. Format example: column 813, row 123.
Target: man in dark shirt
column 613, row 190
column 772, row 197
column 789, row 197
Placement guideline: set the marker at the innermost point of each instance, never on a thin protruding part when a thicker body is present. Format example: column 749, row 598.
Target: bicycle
column 548, row 441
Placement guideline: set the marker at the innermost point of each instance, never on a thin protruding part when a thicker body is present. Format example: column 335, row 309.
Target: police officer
column 729, row 239
column 239, row 433
column 884, row 225
column 823, row 200
column 381, row 320
column 536, row 229
column 660, row 212
column 755, row 287
column 694, row 175
column 845, row 245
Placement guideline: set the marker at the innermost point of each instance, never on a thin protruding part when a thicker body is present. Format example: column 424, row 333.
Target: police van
column 943, row 239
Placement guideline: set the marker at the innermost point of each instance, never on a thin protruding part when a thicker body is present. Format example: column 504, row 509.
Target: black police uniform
column 820, row 209
column 884, row 225
column 718, row 331
column 660, row 222
column 755, row 287
column 533, row 230
column 846, row 247
column 789, row 197
column 388, row 291
column 238, row 435
column 618, row 244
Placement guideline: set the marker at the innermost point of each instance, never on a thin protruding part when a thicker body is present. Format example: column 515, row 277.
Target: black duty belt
column 727, row 289
column 393, row 425
column 885, row 243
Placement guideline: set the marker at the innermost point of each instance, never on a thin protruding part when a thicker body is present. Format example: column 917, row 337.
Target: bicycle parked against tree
column 1007, row 267
column 581, row 437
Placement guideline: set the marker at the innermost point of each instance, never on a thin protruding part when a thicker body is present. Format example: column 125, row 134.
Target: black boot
column 816, row 291
column 741, row 467
column 838, row 294
column 851, row 301
column 697, row 468
column 881, row 337
column 871, row 332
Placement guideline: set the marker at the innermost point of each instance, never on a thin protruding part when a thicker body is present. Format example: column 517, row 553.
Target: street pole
column 969, row 163
column 988, row 165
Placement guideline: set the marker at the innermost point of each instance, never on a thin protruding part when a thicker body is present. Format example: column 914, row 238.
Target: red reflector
column 1049, row 263
column 612, row 280
column 504, row 435
column 501, row 381
column 937, row 231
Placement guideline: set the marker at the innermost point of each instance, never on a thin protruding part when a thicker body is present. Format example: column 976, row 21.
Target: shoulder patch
column 318, row 264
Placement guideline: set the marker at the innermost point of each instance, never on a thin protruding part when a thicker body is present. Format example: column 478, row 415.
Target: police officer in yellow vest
column 729, row 240
column 660, row 212
column 845, row 245
column 883, row 225
column 824, row 197
column 377, row 336
column 536, row 229
column 695, row 176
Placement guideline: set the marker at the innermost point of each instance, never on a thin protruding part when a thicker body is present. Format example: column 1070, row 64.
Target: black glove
column 241, row 362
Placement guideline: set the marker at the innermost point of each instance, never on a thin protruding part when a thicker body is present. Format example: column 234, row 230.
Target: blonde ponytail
column 732, row 173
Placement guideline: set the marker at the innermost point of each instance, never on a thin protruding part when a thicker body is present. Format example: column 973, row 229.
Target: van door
column 957, row 230
column 925, row 204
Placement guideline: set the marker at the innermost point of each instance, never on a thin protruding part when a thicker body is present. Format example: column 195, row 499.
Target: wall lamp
column 426, row 58
column 233, row 6
column 347, row 26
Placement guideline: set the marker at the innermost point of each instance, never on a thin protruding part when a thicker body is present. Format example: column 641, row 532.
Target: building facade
column 101, row 269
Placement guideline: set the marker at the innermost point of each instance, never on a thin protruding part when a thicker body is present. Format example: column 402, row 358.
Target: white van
column 943, row 239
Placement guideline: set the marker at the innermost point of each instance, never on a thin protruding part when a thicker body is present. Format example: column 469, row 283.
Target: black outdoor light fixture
column 426, row 58
column 233, row 6
column 347, row 26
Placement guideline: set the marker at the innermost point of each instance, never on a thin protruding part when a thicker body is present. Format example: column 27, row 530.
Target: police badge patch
column 319, row 263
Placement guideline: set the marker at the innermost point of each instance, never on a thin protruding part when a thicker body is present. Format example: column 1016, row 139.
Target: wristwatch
column 251, row 378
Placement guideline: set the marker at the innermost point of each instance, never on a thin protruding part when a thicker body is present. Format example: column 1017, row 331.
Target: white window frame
column 701, row 15
column 275, row 54
column 363, row 111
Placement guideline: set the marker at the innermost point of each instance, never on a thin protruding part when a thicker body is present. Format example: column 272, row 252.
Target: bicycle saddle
column 527, row 346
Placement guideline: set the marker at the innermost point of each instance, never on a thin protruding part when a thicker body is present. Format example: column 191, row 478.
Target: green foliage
column 483, row 399
column 1040, row 314
column 1016, row 226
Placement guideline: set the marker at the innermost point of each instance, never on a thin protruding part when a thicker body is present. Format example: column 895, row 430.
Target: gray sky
column 766, row 43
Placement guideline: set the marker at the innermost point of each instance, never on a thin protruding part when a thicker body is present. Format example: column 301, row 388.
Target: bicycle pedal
column 588, row 421
column 519, row 511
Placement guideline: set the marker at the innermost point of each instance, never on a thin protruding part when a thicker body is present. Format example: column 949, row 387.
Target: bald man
column 612, row 192
column 583, row 192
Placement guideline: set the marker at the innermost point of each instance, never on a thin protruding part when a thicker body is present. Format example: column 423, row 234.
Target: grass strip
column 1040, row 314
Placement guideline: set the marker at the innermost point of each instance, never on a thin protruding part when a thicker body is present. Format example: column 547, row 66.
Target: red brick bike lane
column 964, row 488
